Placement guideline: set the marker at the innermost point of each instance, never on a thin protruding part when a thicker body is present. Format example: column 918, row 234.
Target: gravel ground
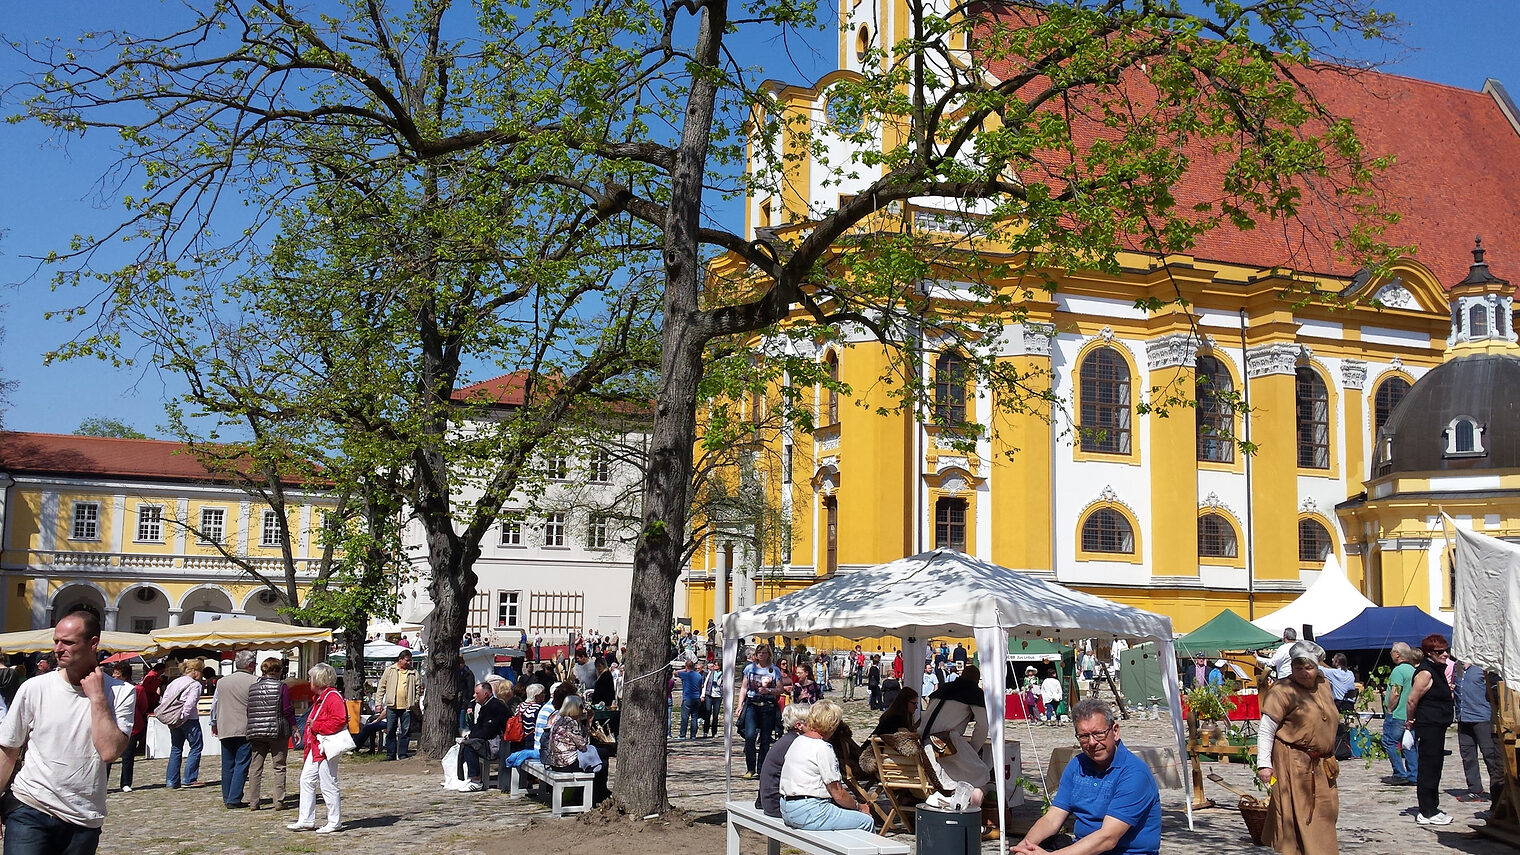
column 401, row 807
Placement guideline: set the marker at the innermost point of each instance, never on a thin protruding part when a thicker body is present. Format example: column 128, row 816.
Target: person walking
column 762, row 689
column 397, row 694
column 1396, row 715
column 229, row 724
column 1475, row 732
column 849, row 673
column 873, row 681
column 328, row 716
column 1431, row 710
column 123, row 672
column 1297, row 740
column 74, row 721
column 271, row 721
column 691, row 698
column 712, row 699
column 179, row 711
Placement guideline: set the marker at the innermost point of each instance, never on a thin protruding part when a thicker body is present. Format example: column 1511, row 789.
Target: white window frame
column 598, row 531
column 206, row 536
column 1478, row 431
column 511, row 531
column 86, row 514
column 554, row 531
column 269, row 536
column 508, row 609
column 150, row 524
column 557, row 467
column 599, row 467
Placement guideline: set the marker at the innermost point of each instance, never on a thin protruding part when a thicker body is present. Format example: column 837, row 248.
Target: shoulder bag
column 335, row 745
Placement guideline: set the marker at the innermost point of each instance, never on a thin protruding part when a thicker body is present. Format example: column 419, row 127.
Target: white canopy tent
column 1486, row 607
column 1327, row 604
column 947, row 593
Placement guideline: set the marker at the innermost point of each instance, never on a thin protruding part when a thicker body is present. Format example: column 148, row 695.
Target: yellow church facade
column 1160, row 510
column 130, row 529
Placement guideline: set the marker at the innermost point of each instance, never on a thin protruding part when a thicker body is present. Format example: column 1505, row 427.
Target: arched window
column 1477, row 321
column 831, row 533
column 950, row 524
column 1313, row 542
column 1107, row 530
column 1216, row 411
column 950, row 388
column 1105, row 402
column 1464, row 436
column 1463, row 441
column 831, row 364
column 1313, row 420
column 1216, row 537
column 1389, row 393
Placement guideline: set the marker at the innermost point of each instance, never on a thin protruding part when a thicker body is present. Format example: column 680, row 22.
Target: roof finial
column 1478, row 251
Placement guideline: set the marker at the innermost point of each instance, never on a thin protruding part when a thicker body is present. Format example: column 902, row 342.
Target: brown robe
column 1305, row 803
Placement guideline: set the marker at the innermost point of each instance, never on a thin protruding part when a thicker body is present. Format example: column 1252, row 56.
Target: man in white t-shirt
column 73, row 722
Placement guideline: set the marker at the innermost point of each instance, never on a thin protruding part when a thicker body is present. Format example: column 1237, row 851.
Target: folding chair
column 864, row 796
column 905, row 780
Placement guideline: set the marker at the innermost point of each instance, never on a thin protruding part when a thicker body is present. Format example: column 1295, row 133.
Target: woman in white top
column 1050, row 695
column 813, row 795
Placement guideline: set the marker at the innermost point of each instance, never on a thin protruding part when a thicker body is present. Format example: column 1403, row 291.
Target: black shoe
column 234, row 805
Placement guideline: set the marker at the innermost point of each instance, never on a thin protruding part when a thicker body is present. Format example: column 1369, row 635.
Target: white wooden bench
column 556, row 783
column 745, row 815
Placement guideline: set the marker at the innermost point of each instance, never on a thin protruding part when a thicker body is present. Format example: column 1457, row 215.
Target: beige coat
column 399, row 690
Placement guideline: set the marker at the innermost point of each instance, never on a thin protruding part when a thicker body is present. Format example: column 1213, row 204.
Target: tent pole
column 1245, row 382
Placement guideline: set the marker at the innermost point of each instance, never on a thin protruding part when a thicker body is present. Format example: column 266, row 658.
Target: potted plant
column 1208, row 705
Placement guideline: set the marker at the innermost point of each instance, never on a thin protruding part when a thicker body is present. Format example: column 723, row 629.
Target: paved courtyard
column 400, row 807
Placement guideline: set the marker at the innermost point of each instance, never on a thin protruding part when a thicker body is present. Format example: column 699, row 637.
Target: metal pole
column 1245, row 376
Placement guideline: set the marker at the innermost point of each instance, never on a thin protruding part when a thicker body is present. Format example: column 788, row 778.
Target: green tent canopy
column 1226, row 631
column 1024, row 648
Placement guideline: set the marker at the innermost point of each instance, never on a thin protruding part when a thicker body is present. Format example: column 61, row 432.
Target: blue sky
column 52, row 192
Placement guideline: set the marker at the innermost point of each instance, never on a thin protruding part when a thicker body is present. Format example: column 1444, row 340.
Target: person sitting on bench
column 813, row 795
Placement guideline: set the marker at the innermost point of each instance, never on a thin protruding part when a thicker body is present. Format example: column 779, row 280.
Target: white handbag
column 335, row 745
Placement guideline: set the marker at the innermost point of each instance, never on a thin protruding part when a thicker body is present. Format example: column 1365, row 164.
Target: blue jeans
column 760, row 722
column 237, row 751
column 823, row 815
column 691, row 713
column 189, row 732
column 1405, row 766
column 29, row 831
column 398, row 728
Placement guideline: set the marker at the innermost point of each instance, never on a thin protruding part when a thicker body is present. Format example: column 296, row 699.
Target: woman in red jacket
column 328, row 716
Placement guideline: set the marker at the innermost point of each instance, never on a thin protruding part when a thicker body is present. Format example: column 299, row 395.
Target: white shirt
column 809, row 768
column 63, row 775
column 1281, row 662
column 1050, row 690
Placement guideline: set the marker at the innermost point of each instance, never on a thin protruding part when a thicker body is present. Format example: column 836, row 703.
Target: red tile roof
column 59, row 454
column 506, row 390
column 1456, row 174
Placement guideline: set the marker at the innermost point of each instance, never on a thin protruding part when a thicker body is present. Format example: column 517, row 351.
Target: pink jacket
column 328, row 716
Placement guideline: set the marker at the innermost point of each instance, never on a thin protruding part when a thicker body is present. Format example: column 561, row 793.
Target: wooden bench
column 745, row 815
column 556, row 783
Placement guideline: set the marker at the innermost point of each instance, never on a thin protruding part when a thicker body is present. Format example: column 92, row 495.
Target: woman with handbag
column 488, row 723
column 327, row 738
column 179, row 712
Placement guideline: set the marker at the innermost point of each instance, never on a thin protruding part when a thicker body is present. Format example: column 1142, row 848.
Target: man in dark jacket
column 488, row 721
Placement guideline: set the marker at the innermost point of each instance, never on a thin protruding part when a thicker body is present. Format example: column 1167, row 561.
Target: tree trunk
column 353, row 648
column 640, row 785
column 452, row 588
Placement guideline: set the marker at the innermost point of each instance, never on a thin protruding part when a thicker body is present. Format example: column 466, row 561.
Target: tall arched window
column 950, row 524
column 1477, row 321
column 950, row 388
column 831, row 533
column 1216, row 537
column 1389, row 393
column 1313, row 542
column 831, row 364
column 1105, row 394
column 1216, row 411
column 1464, row 436
column 1106, row 530
column 1313, row 420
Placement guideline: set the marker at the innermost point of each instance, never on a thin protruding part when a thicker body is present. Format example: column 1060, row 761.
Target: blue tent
column 1378, row 627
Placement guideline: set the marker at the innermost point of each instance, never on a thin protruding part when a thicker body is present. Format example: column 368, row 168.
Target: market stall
column 947, row 593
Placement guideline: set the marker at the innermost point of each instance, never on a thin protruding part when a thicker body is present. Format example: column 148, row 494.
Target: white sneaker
column 1439, row 819
column 126, row 789
column 300, row 826
column 329, row 828
column 472, row 787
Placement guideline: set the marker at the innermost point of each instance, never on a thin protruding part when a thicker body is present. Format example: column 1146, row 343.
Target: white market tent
column 947, row 593
column 1486, row 607
column 1327, row 604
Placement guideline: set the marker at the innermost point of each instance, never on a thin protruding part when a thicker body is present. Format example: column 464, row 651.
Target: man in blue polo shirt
column 1108, row 791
